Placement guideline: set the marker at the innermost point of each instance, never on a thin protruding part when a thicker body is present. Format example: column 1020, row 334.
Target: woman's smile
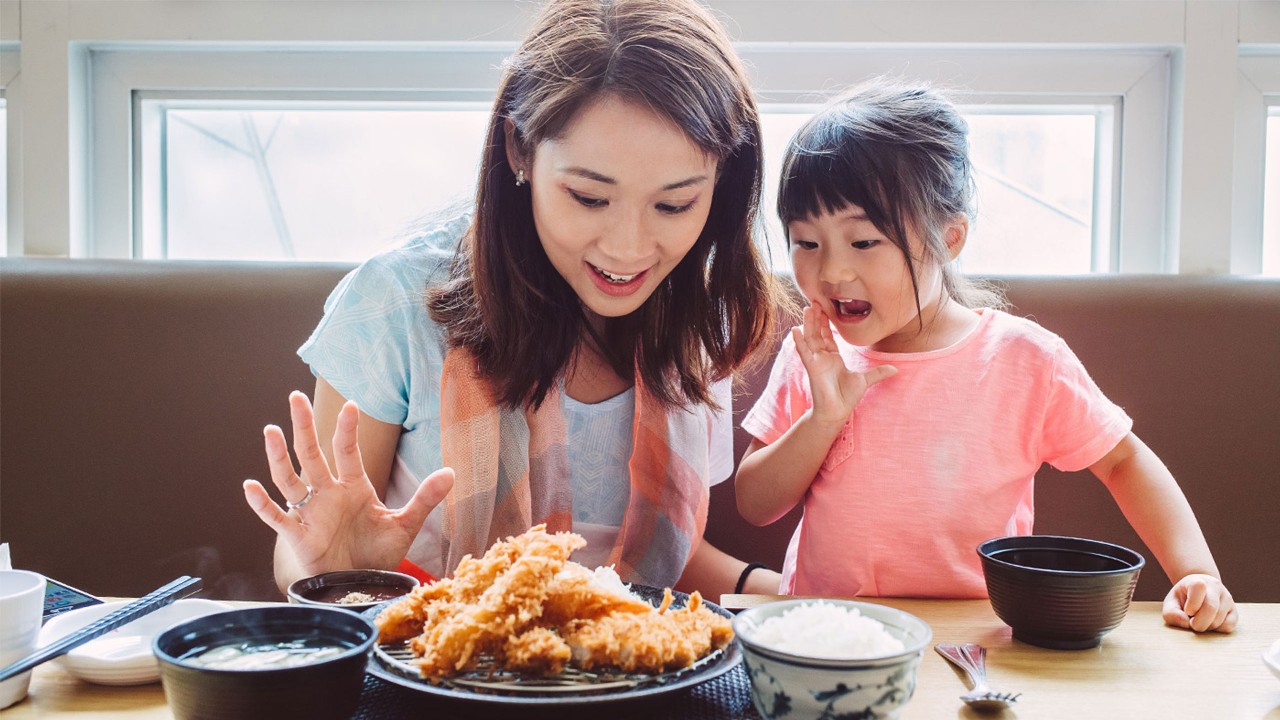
column 617, row 284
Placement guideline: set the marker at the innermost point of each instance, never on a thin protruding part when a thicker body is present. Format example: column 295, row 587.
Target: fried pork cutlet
column 653, row 642
column 531, row 610
column 507, row 607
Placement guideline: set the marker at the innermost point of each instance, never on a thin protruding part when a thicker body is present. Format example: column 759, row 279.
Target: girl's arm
column 1154, row 505
column 713, row 573
column 772, row 478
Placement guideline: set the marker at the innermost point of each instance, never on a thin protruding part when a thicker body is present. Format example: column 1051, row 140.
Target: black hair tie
column 742, row 579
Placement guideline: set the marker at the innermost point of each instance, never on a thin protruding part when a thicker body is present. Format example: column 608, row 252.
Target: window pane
column 1035, row 187
column 777, row 125
column 1271, row 191
column 4, row 178
column 310, row 184
column 1035, row 177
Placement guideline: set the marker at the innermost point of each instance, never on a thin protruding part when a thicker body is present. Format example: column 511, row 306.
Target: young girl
column 914, row 430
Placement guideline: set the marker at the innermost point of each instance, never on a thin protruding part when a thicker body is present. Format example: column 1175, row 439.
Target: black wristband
column 742, row 579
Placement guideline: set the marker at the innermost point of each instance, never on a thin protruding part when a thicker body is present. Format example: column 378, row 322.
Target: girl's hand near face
column 773, row 478
column 343, row 524
column 1201, row 603
column 836, row 389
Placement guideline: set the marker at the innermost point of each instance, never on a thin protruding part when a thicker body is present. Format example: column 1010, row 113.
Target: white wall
column 48, row 93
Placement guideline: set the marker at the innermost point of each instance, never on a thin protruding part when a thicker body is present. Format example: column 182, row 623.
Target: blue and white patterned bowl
column 791, row 687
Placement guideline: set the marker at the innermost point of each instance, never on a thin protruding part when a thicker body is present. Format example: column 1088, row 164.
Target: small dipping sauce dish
column 354, row 590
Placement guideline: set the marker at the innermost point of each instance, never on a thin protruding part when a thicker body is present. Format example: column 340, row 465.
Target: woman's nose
column 627, row 240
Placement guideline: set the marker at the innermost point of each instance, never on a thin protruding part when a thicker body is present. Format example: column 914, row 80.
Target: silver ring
column 298, row 505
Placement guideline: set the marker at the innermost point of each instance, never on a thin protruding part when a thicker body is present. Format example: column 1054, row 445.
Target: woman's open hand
column 1201, row 603
column 335, row 520
column 836, row 389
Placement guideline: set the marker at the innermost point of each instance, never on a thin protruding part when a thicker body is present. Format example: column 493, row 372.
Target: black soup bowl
column 1059, row 592
column 325, row 689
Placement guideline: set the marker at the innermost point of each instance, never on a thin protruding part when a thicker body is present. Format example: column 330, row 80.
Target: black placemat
column 727, row 697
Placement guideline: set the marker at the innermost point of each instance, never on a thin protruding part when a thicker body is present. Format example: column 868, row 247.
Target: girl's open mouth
column 851, row 310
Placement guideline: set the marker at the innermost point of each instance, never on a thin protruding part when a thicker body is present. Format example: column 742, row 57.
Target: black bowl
column 325, row 690
column 325, row 589
column 1059, row 592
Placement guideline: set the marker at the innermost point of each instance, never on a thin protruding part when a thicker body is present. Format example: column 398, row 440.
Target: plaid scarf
column 512, row 472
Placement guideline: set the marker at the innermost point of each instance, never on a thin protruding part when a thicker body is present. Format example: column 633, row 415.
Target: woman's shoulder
column 424, row 256
column 405, row 271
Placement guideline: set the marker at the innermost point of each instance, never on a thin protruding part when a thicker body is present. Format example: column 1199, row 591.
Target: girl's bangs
column 825, row 171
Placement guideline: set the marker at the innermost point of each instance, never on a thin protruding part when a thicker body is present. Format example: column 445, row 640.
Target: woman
column 564, row 349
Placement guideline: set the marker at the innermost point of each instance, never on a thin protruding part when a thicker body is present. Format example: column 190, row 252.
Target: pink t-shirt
column 937, row 458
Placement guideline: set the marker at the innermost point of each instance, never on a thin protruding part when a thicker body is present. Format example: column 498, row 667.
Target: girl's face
column 855, row 274
column 618, row 199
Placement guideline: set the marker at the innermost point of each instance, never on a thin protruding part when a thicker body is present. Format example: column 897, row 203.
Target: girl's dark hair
column 506, row 302
column 901, row 153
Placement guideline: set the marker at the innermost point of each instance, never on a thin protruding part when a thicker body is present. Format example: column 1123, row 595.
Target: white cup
column 21, row 612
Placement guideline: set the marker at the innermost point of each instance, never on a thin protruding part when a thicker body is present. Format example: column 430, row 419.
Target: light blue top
column 378, row 346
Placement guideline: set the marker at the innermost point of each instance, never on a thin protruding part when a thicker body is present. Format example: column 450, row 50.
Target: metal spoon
column 972, row 658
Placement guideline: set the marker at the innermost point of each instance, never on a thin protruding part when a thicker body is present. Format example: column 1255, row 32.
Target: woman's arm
column 1154, row 505
column 713, row 573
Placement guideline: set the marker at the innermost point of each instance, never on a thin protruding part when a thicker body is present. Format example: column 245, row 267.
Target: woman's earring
column 519, row 177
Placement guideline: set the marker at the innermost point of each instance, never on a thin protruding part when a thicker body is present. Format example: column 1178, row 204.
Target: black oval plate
column 611, row 689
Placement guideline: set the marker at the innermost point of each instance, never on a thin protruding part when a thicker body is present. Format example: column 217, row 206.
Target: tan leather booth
column 133, row 396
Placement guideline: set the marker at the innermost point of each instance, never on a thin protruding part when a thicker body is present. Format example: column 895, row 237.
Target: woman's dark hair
column 901, row 153
column 506, row 302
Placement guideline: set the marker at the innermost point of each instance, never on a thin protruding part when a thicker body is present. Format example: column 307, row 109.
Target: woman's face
column 618, row 199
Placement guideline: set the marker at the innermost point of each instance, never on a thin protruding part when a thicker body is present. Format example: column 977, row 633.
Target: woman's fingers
column 283, row 475
column 306, row 443
column 266, row 509
column 346, row 445
column 429, row 494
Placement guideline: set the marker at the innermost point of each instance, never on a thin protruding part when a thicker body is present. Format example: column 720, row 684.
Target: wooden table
column 1142, row 670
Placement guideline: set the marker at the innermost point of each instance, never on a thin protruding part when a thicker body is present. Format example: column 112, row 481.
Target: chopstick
column 144, row 605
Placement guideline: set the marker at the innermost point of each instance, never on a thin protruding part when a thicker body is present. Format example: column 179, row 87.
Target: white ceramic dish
column 122, row 656
column 1272, row 658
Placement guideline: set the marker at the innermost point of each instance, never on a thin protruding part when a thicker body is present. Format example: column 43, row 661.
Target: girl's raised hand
column 334, row 519
column 836, row 389
column 1201, row 603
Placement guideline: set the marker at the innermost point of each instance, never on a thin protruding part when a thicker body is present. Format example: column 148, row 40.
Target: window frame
column 1257, row 91
column 1135, row 82
column 10, row 59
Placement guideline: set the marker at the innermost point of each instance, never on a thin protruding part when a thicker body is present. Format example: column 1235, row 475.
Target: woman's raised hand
column 836, row 389
column 334, row 518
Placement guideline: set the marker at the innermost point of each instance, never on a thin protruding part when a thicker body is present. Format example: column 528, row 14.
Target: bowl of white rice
column 830, row 658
